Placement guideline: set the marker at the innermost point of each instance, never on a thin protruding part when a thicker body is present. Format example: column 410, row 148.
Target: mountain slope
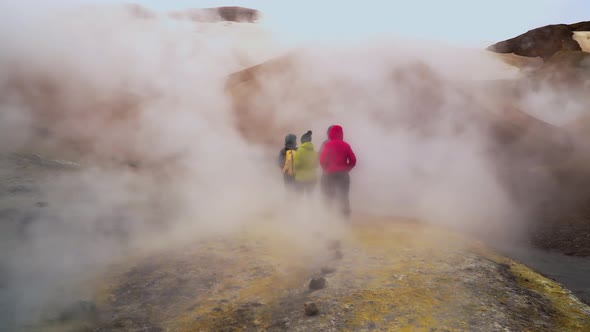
column 545, row 41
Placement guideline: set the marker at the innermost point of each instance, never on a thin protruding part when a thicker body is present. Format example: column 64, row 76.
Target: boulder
column 317, row 283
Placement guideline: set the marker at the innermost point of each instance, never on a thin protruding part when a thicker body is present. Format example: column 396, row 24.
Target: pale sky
column 462, row 22
column 465, row 22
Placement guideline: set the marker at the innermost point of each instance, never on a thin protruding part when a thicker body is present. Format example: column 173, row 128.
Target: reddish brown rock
column 541, row 42
column 581, row 26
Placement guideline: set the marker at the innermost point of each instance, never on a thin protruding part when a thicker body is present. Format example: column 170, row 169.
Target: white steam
column 110, row 88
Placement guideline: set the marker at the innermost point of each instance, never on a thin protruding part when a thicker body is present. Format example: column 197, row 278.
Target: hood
column 306, row 137
column 336, row 133
column 290, row 141
column 307, row 146
column 328, row 132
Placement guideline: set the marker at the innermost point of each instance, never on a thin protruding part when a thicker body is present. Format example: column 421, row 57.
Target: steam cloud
column 108, row 87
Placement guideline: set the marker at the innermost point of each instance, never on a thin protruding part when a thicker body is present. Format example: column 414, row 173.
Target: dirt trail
column 382, row 275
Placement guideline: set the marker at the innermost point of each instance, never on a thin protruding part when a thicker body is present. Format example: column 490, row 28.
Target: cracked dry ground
column 380, row 276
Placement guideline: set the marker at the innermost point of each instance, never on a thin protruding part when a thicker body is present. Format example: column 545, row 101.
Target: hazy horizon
column 294, row 22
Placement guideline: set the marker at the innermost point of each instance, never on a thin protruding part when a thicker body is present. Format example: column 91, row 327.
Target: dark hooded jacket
column 290, row 144
column 337, row 155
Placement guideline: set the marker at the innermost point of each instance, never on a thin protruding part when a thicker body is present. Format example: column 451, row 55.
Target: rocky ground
column 563, row 225
column 570, row 237
column 379, row 275
column 20, row 197
column 402, row 276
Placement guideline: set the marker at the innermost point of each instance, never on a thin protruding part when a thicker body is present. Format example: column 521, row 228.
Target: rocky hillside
column 545, row 41
column 564, row 66
column 257, row 91
column 558, row 54
column 228, row 14
column 201, row 15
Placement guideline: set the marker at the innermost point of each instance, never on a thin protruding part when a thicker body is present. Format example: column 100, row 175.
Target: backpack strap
column 289, row 167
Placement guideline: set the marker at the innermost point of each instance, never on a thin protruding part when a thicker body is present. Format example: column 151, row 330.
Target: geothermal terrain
column 374, row 273
column 139, row 188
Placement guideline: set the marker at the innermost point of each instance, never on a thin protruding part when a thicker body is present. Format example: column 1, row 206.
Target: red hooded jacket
column 337, row 156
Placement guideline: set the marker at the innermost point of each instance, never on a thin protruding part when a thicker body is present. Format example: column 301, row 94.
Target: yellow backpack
column 289, row 167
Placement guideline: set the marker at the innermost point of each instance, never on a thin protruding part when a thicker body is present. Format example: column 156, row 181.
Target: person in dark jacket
column 337, row 160
column 290, row 145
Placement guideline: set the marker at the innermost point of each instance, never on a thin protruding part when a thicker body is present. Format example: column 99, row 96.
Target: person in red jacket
column 337, row 159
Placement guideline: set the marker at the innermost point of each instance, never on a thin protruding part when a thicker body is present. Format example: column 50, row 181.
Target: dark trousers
column 289, row 181
column 336, row 189
column 305, row 188
column 290, row 189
